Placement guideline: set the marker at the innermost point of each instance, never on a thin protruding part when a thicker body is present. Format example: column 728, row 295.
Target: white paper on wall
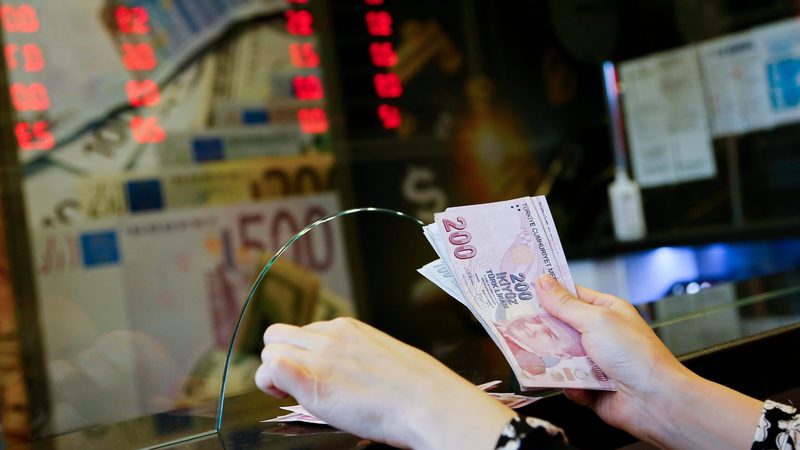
column 735, row 81
column 780, row 45
column 666, row 119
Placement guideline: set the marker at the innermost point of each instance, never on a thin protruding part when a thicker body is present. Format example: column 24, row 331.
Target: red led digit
column 142, row 93
column 34, row 136
column 132, row 20
column 312, row 120
column 373, row 2
column 304, row 56
column 299, row 23
column 390, row 116
column 139, row 57
column 308, row 87
column 383, row 54
column 146, row 130
column 379, row 23
column 33, row 58
column 388, row 85
column 29, row 97
column 11, row 56
column 19, row 19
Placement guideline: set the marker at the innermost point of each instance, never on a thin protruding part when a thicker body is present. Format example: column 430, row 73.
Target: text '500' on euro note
column 491, row 256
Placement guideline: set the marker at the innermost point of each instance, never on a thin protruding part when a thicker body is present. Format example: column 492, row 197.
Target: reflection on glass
column 725, row 313
column 296, row 288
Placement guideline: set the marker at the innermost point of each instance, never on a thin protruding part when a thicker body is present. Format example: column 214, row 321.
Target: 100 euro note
column 495, row 252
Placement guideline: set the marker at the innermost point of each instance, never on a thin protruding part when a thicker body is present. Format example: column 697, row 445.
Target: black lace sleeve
column 532, row 433
column 778, row 429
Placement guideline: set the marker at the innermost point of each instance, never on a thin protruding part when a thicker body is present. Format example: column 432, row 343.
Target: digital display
column 400, row 66
column 300, row 24
column 383, row 57
column 27, row 97
column 139, row 59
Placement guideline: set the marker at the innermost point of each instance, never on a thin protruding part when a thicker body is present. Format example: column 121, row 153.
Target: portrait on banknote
column 536, row 339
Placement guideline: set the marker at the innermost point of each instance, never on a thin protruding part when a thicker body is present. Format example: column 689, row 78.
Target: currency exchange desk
column 744, row 366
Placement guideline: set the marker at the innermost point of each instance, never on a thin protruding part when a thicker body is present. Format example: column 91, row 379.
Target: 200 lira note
column 496, row 252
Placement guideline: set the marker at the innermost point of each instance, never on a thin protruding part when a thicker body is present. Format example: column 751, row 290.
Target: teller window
column 158, row 155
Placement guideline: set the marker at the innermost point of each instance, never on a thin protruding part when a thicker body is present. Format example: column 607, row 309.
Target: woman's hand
column 365, row 382
column 658, row 399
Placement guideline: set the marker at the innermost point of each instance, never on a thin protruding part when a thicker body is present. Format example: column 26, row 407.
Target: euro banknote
column 136, row 275
column 220, row 183
column 491, row 256
column 91, row 33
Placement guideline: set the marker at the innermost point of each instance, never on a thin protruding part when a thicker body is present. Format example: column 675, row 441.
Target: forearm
column 701, row 414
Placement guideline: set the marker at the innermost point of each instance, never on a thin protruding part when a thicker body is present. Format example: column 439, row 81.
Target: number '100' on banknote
column 495, row 252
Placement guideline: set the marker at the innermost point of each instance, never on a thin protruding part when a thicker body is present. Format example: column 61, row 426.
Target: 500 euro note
column 495, row 252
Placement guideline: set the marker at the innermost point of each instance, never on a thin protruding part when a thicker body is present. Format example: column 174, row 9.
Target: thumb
column 561, row 304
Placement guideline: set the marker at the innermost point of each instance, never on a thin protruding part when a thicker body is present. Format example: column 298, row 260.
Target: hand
column 365, row 382
column 617, row 338
column 657, row 398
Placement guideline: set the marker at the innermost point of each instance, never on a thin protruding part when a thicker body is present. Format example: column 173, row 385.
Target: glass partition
column 155, row 154
column 726, row 313
column 288, row 287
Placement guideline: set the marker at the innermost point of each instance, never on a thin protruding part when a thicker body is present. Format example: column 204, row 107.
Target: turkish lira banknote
column 490, row 258
column 298, row 413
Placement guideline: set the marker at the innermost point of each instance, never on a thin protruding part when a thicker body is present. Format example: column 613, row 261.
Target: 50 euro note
column 205, row 185
column 495, row 252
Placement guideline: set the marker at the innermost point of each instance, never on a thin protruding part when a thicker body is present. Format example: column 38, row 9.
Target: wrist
column 463, row 418
column 697, row 413
column 667, row 407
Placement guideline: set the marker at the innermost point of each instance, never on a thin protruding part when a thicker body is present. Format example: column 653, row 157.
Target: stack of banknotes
column 297, row 413
column 490, row 256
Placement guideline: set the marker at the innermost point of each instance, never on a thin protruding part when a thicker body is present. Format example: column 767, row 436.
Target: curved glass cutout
column 266, row 269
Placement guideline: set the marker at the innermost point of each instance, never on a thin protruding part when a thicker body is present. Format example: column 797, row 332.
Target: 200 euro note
column 496, row 252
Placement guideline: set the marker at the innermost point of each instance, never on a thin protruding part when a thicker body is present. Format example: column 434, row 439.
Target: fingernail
column 547, row 282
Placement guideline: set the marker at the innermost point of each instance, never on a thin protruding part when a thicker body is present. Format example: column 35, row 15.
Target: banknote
column 205, row 185
column 51, row 188
column 90, row 33
column 223, row 144
column 78, row 279
column 438, row 272
column 289, row 294
column 130, row 279
column 263, row 69
column 238, row 113
column 109, row 145
column 298, row 413
column 256, row 82
column 496, row 252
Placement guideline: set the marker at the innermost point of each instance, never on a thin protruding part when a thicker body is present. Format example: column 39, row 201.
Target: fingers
column 581, row 397
column 304, row 338
column 348, row 329
column 560, row 303
column 593, row 297
column 605, row 300
column 285, row 369
column 339, row 325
